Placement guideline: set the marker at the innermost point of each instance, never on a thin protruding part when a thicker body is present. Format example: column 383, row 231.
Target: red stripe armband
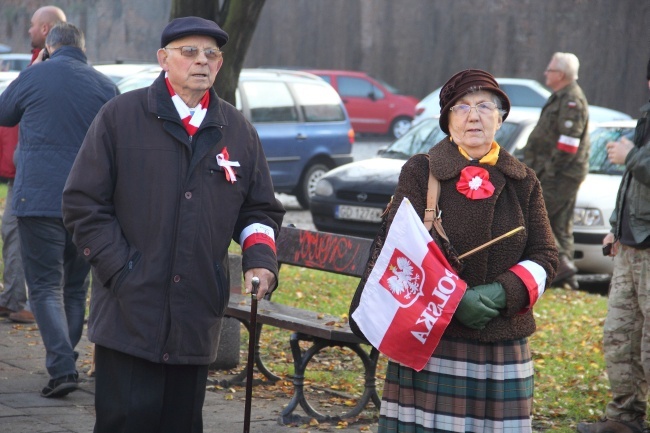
column 257, row 234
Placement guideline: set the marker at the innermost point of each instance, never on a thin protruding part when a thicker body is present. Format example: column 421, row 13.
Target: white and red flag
column 411, row 293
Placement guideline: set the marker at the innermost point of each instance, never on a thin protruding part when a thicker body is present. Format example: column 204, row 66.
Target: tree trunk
column 239, row 19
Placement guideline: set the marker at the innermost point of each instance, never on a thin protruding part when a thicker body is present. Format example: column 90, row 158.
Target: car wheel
column 400, row 126
column 310, row 178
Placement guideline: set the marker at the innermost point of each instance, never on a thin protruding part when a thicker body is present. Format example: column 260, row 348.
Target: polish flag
column 568, row 144
column 411, row 293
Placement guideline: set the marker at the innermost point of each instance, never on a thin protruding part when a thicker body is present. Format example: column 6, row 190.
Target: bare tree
column 239, row 19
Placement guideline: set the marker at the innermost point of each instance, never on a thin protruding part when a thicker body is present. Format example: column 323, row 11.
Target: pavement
column 22, row 409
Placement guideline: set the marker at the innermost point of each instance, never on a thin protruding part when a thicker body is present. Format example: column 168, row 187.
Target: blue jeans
column 56, row 280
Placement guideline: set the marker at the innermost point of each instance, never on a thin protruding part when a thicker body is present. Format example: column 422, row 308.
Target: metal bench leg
column 301, row 360
column 240, row 378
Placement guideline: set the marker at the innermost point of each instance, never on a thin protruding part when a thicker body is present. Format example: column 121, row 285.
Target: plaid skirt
column 466, row 387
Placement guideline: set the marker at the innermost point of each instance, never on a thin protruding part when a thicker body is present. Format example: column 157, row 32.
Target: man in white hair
column 558, row 151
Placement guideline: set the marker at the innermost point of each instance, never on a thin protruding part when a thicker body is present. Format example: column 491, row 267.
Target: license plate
column 358, row 213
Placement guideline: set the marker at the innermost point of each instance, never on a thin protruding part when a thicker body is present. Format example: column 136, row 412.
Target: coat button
column 166, row 357
column 188, row 195
column 177, row 278
column 86, row 251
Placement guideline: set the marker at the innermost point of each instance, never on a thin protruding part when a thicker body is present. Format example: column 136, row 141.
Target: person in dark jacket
column 627, row 328
column 13, row 301
column 55, row 101
column 483, row 355
column 558, row 151
column 166, row 178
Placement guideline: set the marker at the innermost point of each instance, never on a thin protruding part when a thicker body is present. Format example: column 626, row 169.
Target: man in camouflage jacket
column 626, row 330
column 558, row 151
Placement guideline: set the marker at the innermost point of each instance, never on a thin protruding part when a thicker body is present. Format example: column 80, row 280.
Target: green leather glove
column 480, row 304
column 493, row 295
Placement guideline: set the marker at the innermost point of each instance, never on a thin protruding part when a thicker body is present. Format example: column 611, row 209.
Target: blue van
column 302, row 123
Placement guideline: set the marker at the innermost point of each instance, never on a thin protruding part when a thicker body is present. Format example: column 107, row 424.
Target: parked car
column 350, row 199
column 302, row 123
column 522, row 92
column 14, row 61
column 119, row 71
column 597, row 198
column 8, row 76
column 374, row 106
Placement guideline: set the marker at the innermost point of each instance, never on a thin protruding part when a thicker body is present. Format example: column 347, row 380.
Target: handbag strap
column 432, row 213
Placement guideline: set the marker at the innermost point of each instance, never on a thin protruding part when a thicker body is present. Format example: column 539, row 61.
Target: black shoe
column 61, row 386
column 565, row 270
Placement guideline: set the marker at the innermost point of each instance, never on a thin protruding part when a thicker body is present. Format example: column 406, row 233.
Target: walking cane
column 251, row 355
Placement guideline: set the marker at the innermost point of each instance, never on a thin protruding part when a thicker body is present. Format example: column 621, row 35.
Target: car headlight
column 324, row 188
column 588, row 217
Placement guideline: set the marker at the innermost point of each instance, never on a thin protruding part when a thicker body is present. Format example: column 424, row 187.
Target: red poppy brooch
column 474, row 183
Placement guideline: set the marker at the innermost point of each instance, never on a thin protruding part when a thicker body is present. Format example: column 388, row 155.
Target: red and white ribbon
column 257, row 234
column 190, row 121
column 568, row 144
column 534, row 278
column 224, row 161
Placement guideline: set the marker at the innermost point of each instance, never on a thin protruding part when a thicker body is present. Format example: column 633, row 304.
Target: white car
column 119, row 71
column 522, row 92
column 597, row 198
column 14, row 61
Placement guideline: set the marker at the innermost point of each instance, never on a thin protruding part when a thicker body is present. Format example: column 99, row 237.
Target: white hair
column 567, row 63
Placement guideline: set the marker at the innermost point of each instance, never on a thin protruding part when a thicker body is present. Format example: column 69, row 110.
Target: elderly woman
column 480, row 376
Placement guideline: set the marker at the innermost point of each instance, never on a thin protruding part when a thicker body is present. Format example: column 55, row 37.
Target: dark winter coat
column 517, row 201
column 153, row 213
column 634, row 190
column 55, row 102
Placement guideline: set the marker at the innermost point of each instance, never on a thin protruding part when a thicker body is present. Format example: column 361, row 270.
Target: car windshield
column 418, row 140
column 427, row 133
column 598, row 161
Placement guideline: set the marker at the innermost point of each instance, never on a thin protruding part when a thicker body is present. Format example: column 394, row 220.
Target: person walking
column 626, row 333
column 13, row 301
column 558, row 151
column 55, row 101
column 166, row 178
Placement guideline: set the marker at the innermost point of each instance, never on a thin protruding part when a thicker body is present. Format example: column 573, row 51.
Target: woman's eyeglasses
column 210, row 53
column 481, row 108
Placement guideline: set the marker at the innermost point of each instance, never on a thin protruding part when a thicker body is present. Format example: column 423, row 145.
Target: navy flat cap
column 188, row 26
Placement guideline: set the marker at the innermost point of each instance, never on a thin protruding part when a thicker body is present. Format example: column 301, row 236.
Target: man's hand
column 267, row 280
column 609, row 239
column 617, row 150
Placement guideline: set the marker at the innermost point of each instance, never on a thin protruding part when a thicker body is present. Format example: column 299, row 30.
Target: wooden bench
column 326, row 252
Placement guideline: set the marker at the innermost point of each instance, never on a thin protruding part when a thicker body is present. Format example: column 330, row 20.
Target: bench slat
column 293, row 319
column 346, row 255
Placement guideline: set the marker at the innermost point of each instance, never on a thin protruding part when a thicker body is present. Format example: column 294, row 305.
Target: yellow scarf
column 489, row 158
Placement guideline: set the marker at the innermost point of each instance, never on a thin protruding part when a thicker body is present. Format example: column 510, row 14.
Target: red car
column 374, row 107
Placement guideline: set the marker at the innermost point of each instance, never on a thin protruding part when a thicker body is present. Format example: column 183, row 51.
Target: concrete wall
column 413, row 44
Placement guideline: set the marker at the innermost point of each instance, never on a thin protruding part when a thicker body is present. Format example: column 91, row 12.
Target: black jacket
column 153, row 213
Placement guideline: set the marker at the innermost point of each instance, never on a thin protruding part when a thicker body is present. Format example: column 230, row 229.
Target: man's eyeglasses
column 481, row 108
column 552, row 70
column 210, row 53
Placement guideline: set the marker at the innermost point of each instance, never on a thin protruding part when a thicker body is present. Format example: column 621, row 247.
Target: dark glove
column 493, row 295
column 480, row 304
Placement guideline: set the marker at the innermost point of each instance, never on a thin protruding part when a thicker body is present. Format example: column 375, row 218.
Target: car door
column 366, row 104
column 271, row 109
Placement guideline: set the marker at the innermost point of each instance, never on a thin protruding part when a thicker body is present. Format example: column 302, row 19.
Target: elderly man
column 167, row 176
column 558, row 151
column 55, row 102
column 13, row 301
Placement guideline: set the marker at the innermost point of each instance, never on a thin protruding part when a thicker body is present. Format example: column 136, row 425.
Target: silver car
column 597, row 198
